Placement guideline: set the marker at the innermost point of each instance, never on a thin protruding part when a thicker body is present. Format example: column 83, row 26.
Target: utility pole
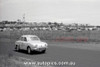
column 24, row 17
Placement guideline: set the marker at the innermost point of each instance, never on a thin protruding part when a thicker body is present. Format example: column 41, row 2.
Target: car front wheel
column 44, row 51
column 28, row 50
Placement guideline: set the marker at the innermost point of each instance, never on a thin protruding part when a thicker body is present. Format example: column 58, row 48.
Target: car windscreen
column 34, row 38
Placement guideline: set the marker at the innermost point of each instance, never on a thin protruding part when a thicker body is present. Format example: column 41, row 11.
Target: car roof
column 29, row 36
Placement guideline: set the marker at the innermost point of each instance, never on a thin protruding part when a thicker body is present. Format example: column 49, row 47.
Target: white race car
column 30, row 43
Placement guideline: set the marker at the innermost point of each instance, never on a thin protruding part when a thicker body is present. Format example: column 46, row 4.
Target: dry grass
column 15, row 61
column 52, row 35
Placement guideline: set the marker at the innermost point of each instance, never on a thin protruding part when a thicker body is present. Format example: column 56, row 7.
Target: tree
column 49, row 23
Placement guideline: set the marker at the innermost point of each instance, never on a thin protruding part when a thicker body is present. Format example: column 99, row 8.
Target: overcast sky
column 67, row 11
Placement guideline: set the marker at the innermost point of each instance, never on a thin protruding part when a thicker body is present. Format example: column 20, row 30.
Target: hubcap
column 29, row 50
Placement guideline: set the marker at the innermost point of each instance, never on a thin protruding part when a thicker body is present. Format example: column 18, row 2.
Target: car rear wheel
column 28, row 50
column 17, row 48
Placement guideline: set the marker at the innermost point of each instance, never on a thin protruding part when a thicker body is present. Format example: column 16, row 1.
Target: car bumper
column 39, row 49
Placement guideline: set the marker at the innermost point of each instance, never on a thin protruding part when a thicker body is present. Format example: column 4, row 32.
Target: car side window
column 24, row 38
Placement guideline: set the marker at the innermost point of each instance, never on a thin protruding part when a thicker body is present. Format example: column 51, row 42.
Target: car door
column 24, row 45
column 21, row 42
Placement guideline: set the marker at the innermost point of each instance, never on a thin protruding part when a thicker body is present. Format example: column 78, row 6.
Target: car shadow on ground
column 32, row 53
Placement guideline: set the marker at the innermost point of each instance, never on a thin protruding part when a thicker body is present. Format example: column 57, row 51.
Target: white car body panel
column 34, row 45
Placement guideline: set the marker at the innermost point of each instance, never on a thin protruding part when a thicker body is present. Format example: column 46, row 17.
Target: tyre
column 28, row 50
column 44, row 51
column 17, row 48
